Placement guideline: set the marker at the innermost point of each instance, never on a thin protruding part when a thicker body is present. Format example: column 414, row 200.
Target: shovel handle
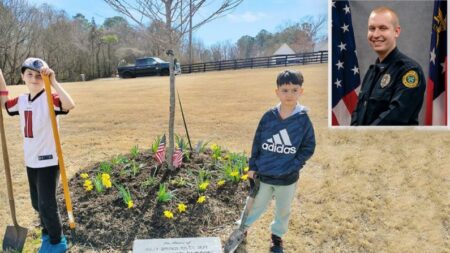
column 48, row 91
column 254, row 188
column 9, row 186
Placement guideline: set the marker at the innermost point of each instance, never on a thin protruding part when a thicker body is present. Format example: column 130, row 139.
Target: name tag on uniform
column 45, row 157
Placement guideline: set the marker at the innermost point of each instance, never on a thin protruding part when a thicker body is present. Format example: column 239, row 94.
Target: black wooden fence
column 259, row 62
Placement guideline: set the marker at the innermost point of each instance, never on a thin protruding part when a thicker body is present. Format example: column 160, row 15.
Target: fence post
column 204, row 67
column 251, row 63
column 235, row 64
column 268, row 61
column 220, row 65
column 321, row 56
column 285, row 60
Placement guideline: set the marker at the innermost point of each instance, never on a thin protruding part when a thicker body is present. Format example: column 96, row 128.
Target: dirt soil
column 105, row 223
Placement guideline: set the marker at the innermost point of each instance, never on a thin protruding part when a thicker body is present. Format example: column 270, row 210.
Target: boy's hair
column 290, row 77
column 34, row 64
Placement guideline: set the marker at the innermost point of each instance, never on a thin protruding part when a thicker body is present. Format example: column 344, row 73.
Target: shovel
column 62, row 168
column 16, row 235
column 238, row 235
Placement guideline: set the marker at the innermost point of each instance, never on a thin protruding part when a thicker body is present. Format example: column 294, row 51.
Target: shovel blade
column 14, row 239
column 233, row 242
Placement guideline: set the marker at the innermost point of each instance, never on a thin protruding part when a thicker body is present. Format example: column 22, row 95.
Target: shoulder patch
column 410, row 79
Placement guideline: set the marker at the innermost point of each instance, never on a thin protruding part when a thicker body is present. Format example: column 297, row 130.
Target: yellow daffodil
column 130, row 204
column 84, row 175
column 88, row 185
column 168, row 214
column 203, row 186
column 201, row 199
column 244, row 177
column 214, row 146
column 234, row 174
column 106, row 180
column 107, row 184
column 106, row 176
column 246, row 169
column 220, row 182
column 182, row 208
column 227, row 156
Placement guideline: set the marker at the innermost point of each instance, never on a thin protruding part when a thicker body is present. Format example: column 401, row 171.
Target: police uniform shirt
column 392, row 92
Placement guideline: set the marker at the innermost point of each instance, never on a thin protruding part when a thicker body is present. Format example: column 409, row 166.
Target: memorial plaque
column 178, row 245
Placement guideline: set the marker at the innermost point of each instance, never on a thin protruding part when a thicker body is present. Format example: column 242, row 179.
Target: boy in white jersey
column 41, row 159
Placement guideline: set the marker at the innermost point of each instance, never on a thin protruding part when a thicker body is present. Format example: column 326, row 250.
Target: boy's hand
column 251, row 174
column 48, row 72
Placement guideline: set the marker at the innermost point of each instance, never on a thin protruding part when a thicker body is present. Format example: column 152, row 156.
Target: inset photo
column 388, row 63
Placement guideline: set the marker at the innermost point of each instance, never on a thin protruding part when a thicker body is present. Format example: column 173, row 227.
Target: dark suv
column 148, row 66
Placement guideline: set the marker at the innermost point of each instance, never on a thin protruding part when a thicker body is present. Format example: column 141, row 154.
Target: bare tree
column 110, row 40
column 174, row 15
column 313, row 26
column 76, row 45
column 15, row 28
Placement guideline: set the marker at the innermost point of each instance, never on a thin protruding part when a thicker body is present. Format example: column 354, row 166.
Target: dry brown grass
column 363, row 191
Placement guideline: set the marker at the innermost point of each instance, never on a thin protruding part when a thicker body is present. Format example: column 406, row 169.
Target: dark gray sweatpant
column 43, row 183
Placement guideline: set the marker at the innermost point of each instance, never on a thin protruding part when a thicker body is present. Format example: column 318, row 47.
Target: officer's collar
column 388, row 58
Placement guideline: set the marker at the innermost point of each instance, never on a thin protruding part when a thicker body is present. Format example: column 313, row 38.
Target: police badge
column 385, row 80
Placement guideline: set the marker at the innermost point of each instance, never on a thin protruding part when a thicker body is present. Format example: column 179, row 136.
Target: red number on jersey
column 28, row 124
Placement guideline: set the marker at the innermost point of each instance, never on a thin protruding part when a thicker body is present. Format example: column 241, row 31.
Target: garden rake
column 62, row 168
column 238, row 235
column 16, row 235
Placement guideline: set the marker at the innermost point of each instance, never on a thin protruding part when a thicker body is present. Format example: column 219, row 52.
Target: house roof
column 284, row 49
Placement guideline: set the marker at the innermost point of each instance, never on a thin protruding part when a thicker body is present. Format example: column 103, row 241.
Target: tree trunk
column 97, row 60
column 109, row 59
column 168, row 24
column 190, row 32
column 172, row 113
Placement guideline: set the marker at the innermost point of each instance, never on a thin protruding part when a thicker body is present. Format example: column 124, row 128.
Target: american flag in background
column 436, row 97
column 345, row 79
column 177, row 158
column 160, row 154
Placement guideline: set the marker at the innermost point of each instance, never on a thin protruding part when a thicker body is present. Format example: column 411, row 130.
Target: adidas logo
column 280, row 143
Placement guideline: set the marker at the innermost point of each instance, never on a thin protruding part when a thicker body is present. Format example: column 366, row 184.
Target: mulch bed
column 103, row 221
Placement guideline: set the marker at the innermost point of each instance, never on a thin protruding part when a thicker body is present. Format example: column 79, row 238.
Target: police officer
column 393, row 88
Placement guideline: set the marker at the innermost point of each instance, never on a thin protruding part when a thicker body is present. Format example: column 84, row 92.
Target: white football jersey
column 36, row 127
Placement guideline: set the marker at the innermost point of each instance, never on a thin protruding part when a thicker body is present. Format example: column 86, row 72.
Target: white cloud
column 247, row 17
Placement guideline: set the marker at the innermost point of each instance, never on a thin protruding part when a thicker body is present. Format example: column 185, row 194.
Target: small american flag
column 160, row 154
column 177, row 158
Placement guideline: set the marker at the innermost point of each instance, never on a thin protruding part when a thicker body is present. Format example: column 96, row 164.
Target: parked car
column 148, row 66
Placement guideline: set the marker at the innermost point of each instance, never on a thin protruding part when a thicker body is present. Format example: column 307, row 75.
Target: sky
column 247, row 19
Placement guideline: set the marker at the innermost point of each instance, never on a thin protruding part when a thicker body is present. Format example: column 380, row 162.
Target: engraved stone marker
column 178, row 245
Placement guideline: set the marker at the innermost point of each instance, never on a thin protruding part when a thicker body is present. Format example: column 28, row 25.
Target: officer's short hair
column 395, row 20
column 290, row 77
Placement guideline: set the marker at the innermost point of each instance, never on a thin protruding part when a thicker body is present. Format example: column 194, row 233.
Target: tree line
column 78, row 45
